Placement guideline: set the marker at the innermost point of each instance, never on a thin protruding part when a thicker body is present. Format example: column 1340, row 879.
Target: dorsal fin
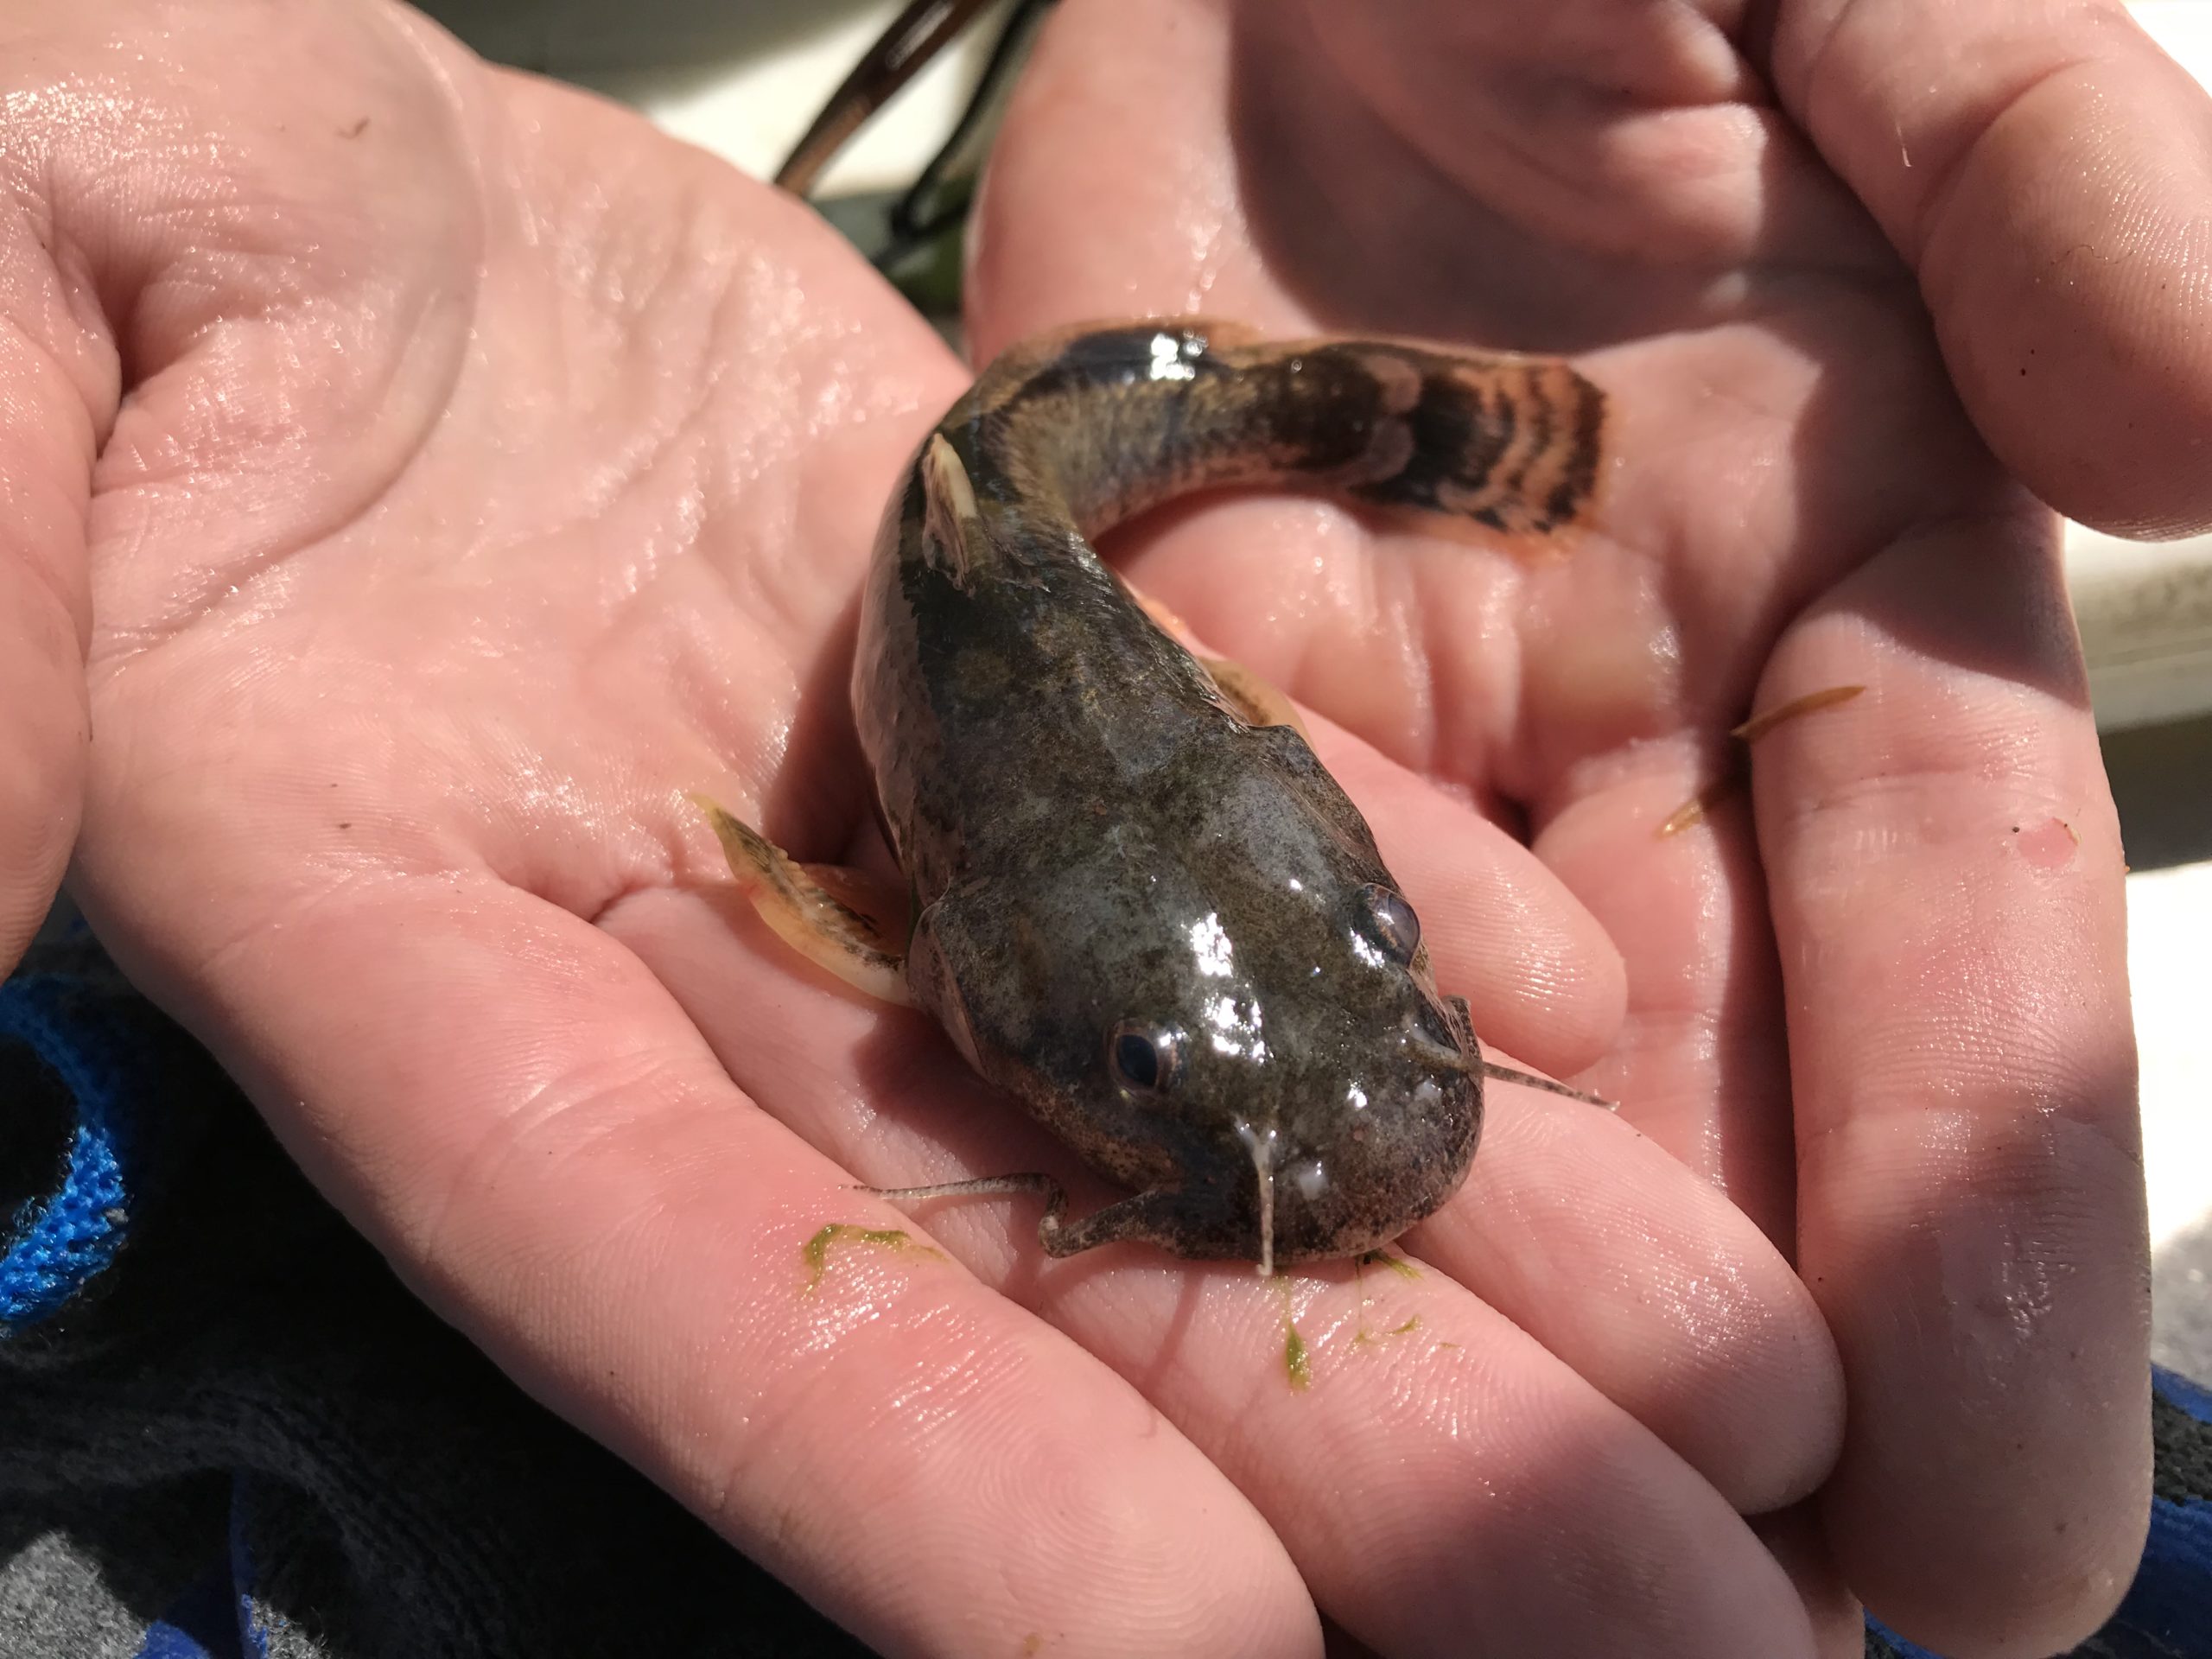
column 952, row 524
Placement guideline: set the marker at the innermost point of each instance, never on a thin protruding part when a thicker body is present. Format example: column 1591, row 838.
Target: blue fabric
column 1885, row 1641
column 251, row 1628
column 2189, row 1396
column 202, row 1625
column 65, row 1241
column 167, row 1641
column 2167, row 1612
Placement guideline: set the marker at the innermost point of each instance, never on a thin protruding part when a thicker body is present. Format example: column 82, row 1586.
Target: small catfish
column 1139, row 904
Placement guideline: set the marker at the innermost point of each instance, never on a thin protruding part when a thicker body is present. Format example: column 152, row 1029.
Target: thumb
column 2047, row 170
column 152, row 239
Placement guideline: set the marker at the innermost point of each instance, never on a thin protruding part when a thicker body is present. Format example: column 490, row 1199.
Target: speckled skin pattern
column 1093, row 833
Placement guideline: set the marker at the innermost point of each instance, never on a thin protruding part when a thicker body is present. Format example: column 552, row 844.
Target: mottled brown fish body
column 1147, row 912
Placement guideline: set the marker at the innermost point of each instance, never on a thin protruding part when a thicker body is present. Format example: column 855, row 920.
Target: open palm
column 444, row 473
column 1881, row 1002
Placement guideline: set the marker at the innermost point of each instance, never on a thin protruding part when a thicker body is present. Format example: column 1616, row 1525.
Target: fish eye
column 1144, row 1058
column 1395, row 924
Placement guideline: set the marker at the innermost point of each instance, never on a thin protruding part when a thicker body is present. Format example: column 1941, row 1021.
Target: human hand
column 1923, row 892
column 441, row 473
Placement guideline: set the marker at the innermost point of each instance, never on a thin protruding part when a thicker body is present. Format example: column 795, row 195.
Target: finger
column 1441, row 1473
column 1093, row 122
column 2046, row 170
column 512, row 1107
column 1701, row 1066
column 1945, row 870
column 1794, row 1538
column 1653, row 1288
column 1444, row 1484
column 103, row 265
column 57, row 393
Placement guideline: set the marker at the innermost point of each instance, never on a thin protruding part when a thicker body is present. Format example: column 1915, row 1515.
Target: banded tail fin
column 1117, row 419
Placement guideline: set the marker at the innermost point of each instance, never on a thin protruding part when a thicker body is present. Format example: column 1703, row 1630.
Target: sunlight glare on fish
column 1167, row 360
column 1209, row 945
column 1235, row 1027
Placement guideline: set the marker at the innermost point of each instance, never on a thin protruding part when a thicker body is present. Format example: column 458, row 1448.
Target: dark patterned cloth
column 227, row 1431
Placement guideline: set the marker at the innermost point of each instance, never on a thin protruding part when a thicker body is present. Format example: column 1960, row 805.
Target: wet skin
column 1140, row 904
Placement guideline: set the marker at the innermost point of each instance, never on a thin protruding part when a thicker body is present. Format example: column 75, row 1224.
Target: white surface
column 2169, row 920
column 752, row 113
column 2146, row 615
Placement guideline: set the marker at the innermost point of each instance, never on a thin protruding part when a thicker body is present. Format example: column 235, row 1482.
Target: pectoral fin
column 1257, row 702
column 834, row 916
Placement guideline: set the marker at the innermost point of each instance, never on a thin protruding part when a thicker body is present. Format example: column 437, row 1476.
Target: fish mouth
column 1439, row 1072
